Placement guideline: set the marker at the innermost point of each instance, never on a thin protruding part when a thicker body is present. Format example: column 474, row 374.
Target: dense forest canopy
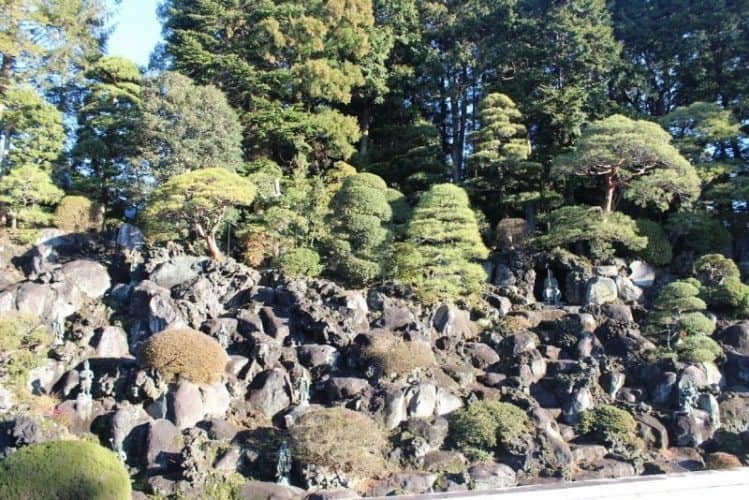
column 528, row 107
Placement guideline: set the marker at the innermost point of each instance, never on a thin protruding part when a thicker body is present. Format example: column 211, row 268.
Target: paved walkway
column 703, row 485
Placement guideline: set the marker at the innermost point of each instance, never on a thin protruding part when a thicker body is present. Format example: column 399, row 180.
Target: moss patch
column 64, row 470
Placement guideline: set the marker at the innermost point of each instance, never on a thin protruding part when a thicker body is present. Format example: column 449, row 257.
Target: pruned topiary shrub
column 486, row 424
column 78, row 214
column 696, row 323
column 300, row 262
column 395, row 356
column 698, row 349
column 186, row 353
column 613, row 427
column 64, row 470
column 340, row 439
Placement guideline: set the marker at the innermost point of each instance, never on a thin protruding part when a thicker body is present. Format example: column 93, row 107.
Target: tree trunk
column 610, row 190
column 210, row 240
column 364, row 141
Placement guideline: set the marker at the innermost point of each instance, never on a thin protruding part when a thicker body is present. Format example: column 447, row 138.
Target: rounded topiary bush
column 78, row 214
column 64, row 470
column 182, row 352
column 607, row 423
column 300, row 262
column 698, row 349
column 486, row 424
column 658, row 250
column 343, row 440
column 394, row 356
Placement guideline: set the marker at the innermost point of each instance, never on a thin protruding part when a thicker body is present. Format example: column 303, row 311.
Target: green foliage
column 300, row 262
column 701, row 128
column 636, row 157
column 186, row 127
column 712, row 269
column 78, row 214
column 32, row 128
column 184, row 353
column 677, row 301
column 196, row 201
column 360, row 238
column 108, row 125
column 578, row 227
column 721, row 283
column 407, row 155
column 699, row 232
column 23, row 347
column 696, row 323
column 486, row 424
column 343, row 440
column 66, row 470
column 445, row 244
column 26, row 194
column 698, row 349
column 679, row 297
column 607, row 423
column 658, row 252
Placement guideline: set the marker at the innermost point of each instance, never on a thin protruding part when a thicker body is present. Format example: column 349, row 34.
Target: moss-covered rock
column 607, row 423
column 64, row 470
column 182, row 352
column 486, row 424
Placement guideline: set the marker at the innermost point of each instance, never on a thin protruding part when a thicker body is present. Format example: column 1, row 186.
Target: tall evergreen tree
column 108, row 132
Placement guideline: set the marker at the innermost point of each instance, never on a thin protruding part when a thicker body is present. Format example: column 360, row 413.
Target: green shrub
column 607, row 423
column 712, row 269
column 486, row 424
column 300, row 262
column 679, row 296
column 698, row 232
column 731, row 294
column 658, row 251
column 346, row 441
column 184, row 353
column 64, row 470
column 23, row 346
column 78, row 214
column 394, row 356
column 696, row 323
column 698, row 349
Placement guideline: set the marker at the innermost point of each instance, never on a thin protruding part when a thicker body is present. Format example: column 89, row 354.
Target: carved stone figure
column 552, row 294
column 86, row 379
column 283, row 464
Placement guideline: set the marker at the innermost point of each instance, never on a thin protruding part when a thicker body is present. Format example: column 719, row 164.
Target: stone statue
column 86, row 379
column 688, row 397
column 552, row 294
column 58, row 329
column 283, row 464
column 223, row 336
column 301, row 390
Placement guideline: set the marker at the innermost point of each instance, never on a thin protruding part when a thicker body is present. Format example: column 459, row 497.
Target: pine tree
column 196, row 202
column 634, row 158
column 108, row 126
column 444, row 246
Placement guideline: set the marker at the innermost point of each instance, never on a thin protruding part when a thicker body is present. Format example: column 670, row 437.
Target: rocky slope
column 294, row 346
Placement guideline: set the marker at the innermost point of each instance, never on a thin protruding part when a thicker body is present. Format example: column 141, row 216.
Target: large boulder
column 176, row 271
column 163, row 446
column 601, row 291
column 492, row 476
column 269, row 393
column 111, row 342
column 643, row 274
column 737, row 336
column 450, row 321
column 89, row 276
column 130, row 237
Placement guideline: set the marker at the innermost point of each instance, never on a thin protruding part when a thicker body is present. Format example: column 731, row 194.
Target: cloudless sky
column 136, row 30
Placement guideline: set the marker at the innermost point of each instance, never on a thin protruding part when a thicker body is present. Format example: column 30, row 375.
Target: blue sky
column 137, row 30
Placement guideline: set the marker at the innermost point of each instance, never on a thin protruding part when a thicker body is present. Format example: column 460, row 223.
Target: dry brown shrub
column 343, row 440
column 78, row 214
column 721, row 460
column 393, row 355
column 185, row 353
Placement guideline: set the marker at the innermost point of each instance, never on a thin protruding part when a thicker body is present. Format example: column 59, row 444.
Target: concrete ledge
column 702, row 485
